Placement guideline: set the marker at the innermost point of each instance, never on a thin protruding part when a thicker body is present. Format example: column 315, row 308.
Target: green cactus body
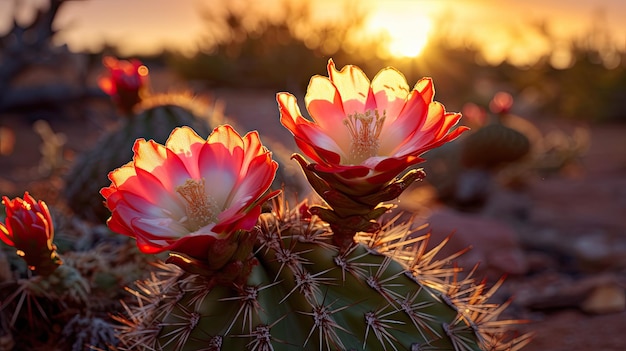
column 305, row 295
column 493, row 146
column 156, row 119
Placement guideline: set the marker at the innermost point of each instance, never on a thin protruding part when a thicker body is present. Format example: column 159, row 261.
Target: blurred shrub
column 587, row 90
column 273, row 53
column 589, row 86
column 284, row 53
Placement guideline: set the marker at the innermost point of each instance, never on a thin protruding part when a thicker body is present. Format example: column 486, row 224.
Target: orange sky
column 143, row 26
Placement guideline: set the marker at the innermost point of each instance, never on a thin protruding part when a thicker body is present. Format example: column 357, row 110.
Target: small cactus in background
column 147, row 115
column 463, row 173
column 495, row 144
column 291, row 279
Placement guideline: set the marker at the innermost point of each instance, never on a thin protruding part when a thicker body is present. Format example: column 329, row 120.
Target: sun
column 408, row 32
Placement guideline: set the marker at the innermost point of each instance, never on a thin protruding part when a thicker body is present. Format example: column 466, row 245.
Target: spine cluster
column 385, row 293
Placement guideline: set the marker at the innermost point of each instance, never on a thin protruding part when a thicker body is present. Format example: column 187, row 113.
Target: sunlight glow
column 407, row 33
column 142, row 71
column 518, row 32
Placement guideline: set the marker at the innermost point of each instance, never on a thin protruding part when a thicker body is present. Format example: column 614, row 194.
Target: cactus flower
column 367, row 133
column 190, row 193
column 501, row 103
column 28, row 227
column 126, row 82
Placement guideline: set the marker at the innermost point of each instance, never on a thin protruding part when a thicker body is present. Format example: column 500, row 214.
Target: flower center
column 364, row 130
column 201, row 209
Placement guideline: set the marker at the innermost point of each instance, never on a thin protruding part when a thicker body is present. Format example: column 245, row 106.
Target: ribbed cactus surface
column 385, row 293
column 155, row 121
column 494, row 145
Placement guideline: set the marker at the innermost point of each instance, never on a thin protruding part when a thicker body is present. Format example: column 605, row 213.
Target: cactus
column 336, row 275
column 156, row 117
column 493, row 146
column 387, row 292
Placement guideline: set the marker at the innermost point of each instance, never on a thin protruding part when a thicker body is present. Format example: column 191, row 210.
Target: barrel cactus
column 495, row 144
column 387, row 292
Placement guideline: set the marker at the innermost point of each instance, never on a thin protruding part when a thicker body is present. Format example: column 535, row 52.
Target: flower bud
column 126, row 83
column 28, row 227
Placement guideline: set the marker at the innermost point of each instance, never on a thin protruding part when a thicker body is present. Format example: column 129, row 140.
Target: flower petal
column 289, row 111
column 5, row 235
column 220, row 171
column 313, row 135
column 196, row 246
column 397, row 131
column 163, row 163
column 186, row 143
column 317, row 154
column 390, row 91
column 426, row 88
column 260, row 176
column 354, row 88
column 160, row 200
column 326, row 108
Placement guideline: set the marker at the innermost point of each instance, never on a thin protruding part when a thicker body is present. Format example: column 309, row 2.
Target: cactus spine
column 385, row 293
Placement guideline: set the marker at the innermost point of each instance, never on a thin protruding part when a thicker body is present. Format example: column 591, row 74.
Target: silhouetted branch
column 28, row 46
column 46, row 95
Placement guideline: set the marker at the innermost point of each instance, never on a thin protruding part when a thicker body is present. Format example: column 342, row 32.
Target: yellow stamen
column 201, row 209
column 365, row 129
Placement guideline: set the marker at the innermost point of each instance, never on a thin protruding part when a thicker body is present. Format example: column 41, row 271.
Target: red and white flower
column 190, row 192
column 367, row 132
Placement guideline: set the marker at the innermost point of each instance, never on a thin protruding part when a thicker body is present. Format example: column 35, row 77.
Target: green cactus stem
column 348, row 211
column 386, row 292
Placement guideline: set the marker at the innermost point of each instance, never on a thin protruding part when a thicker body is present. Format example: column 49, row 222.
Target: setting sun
column 407, row 33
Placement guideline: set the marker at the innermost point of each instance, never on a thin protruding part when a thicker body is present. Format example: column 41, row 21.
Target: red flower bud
column 501, row 103
column 28, row 227
column 126, row 83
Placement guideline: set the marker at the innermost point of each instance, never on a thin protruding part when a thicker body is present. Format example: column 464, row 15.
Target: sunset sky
column 501, row 27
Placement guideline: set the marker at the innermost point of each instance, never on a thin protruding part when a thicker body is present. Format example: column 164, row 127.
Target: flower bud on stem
column 350, row 210
column 230, row 259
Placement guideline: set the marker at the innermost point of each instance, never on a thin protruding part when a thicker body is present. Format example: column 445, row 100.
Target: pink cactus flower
column 190, row 192
column 126, row 82
column 367, row 132
column 501, row 103
column 28, row 227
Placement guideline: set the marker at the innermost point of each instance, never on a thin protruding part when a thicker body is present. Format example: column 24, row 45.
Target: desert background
column 553, row 222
